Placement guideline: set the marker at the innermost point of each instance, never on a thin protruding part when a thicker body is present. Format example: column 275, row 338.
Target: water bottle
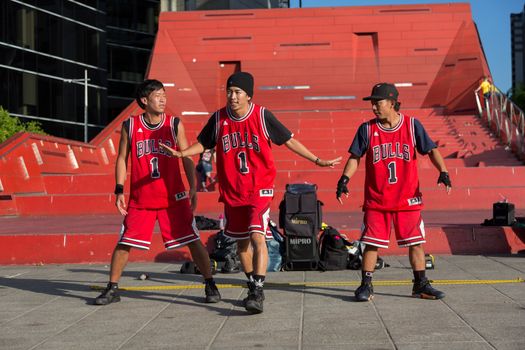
column 221, row 222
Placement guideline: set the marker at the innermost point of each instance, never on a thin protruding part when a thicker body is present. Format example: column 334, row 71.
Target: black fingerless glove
column 341, row 186
column 444, row 179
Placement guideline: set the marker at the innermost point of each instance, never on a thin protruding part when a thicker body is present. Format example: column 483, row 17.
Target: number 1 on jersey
column 243, row 165
column 392, row 178
column 155, row 167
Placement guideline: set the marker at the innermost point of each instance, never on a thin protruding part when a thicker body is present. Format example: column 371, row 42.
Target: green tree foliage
column 518, row 96
column 11, row 125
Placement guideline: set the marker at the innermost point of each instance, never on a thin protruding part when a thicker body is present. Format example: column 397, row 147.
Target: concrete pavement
column 50, row 307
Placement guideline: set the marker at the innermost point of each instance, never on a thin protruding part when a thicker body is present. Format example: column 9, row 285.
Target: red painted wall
column 339, row 51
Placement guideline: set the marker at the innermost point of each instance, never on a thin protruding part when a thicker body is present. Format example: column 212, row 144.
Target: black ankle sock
column 113, row 285
column 366, row 276
column 249, row 276
column 419, row 276
column 209, row 280
column 259, row 280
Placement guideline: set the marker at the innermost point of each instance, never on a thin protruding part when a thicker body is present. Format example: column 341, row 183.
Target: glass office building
column 46, row 47
column 131, row 28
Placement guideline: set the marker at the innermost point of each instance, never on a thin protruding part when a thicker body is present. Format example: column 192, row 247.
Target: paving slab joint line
column 275, row 285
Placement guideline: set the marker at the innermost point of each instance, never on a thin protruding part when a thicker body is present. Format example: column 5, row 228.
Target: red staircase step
column 8, row 205
column 66, row 204
column 79, row 183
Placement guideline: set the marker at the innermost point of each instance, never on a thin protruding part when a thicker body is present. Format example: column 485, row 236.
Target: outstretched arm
column 298, row 148
column 196, row 148
column 189, row 166
column 439, row 164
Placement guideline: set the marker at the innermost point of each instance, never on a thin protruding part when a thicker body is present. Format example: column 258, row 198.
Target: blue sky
column 491, row 16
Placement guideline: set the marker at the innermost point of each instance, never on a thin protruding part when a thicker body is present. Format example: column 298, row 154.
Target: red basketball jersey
column 155, row 176
column 392, row 181
column 245, row 166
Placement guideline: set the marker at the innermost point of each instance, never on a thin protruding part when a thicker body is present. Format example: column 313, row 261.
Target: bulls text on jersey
column 236, row 140
column 386, row 150
column 151, row 146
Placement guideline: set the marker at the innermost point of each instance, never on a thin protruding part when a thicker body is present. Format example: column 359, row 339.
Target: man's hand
column 120, row 203
column 445, row 180
column 193, row 199
column 170, row 150
column 342, row 188
column 330, row 163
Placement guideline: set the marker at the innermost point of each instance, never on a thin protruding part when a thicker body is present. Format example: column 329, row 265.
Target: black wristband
column 344, row 179
column 119, row 189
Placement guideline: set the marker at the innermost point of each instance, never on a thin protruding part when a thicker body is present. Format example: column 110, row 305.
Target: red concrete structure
column 312, row 67
column 314, row 58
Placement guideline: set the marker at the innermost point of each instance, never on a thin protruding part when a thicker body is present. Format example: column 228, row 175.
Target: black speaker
column 503, row 213
column 302, row 253
column 300, row 216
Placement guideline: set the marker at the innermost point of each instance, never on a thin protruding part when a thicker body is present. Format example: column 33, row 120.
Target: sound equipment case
column 300, row 216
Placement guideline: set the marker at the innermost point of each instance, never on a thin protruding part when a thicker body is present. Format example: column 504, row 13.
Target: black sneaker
column 108, row 296
column 251, row 290
column 254, row 301
column 365, row 292
column 424, row 290
column 212, row 293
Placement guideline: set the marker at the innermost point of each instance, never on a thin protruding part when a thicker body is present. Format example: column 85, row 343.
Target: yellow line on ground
column 314, row 284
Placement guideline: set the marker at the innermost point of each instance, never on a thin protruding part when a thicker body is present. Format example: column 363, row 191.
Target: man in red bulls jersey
column 242, row 134
column 390, row 142
column 156, row 190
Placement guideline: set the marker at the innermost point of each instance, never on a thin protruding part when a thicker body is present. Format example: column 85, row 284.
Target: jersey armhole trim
column 263, row 123
column 217, row 126
column 130, row 130
column 369, row 137
column 412, row 131
column 172, row 129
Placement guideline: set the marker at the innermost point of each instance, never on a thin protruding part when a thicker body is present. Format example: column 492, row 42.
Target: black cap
column 242, row 80
column 383, row 91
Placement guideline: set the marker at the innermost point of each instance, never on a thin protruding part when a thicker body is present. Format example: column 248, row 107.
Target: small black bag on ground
column 225, row 254
column 300, row 217
column 355, row 257
column 333, row 251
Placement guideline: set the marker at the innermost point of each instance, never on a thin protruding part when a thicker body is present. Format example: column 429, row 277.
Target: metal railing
column 505, row 119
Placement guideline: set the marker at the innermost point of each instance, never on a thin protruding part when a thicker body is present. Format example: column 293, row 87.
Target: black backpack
column 333, row 251
column 355, row 257
column 225, row 254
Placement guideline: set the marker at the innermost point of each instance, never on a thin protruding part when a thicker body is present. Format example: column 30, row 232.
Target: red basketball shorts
column 177, row 226
column 247, row 219
column 408, row 225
